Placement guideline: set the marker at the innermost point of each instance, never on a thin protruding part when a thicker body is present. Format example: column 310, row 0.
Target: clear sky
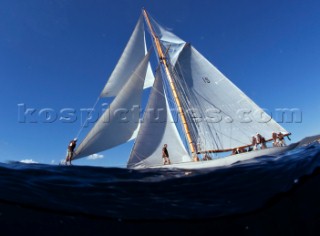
column 59, row 54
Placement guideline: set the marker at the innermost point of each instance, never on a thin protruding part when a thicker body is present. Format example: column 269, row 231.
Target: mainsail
column 119, row 122
column 223, row 115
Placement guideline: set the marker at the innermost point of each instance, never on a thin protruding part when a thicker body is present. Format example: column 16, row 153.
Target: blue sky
column 59, row 54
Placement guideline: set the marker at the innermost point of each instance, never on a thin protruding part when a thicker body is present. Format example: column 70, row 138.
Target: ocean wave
column 119, row 193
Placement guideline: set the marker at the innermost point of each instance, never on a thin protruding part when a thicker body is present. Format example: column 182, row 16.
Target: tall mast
column 163, row 60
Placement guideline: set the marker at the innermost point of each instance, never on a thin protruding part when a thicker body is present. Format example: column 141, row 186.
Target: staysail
column 157, row 129
column 133, row 53
column 119, row 122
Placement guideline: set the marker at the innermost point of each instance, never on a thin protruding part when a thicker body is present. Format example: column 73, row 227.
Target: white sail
column 218, row 115
column 133, row 53
column 156, row 130
column 119, row 122
column 171, row 42
column 223, row 115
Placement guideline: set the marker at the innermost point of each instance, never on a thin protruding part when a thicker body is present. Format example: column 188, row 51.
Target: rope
column 85, row 122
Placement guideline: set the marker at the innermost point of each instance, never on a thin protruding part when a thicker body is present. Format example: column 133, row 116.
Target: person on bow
column 71, row 147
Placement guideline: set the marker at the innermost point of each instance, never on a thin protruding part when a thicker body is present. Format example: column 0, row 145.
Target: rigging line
column 235, row 124
column 164, row 61
column 187, row 103
column 184, row 88
column 141, row 158
column 217, row 142
column 85, row 122
column 176, row 112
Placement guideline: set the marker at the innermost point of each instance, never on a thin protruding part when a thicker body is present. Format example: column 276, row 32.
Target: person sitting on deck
column 281, row 140
column 274, row 138
column 206, row 157
column 254, row 142
column 258, row 137
column 263, row 143
column 238, row 150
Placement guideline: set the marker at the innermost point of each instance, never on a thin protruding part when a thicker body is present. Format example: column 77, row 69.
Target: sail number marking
column 206, row 80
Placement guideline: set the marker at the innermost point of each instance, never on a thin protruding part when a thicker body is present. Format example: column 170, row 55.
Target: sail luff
column 133, row 53
column 164, row 62
column 157, row 129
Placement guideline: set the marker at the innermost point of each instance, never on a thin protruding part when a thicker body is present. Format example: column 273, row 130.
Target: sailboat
column 192, row 107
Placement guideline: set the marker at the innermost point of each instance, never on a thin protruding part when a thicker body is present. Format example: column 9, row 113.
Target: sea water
column 52, row 195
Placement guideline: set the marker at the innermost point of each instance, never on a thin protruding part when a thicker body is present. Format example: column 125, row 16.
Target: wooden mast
column 163, row 60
